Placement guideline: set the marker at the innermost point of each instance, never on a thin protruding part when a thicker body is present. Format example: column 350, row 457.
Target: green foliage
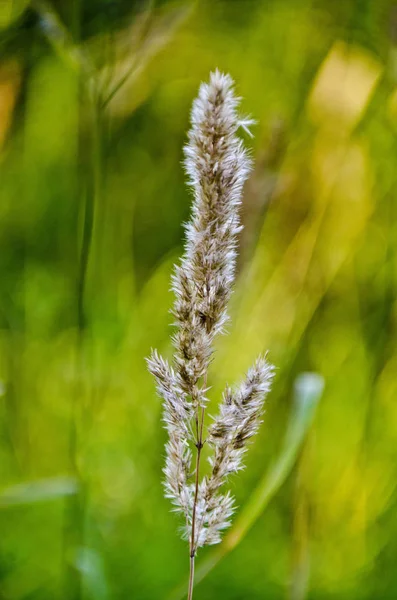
column 93, row 196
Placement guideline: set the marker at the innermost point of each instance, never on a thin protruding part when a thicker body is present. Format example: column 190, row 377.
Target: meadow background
column 94, row 107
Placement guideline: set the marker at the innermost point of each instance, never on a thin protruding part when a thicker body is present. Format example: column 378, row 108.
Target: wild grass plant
column 217, row 165
column 92, row 198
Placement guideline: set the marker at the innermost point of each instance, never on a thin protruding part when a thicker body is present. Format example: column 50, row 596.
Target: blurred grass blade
column 60, row 39
column 307, row 392
column 90, row 563
column 154, row 32
column 41, row 490
column 10, row 11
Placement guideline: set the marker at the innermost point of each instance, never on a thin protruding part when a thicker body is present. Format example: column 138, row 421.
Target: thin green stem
column 193, row 544
column 191, row 578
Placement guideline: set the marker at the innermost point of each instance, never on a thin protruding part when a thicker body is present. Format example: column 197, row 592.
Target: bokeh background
column 94, row 108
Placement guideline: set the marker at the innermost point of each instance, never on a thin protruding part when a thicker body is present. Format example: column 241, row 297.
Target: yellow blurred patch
column 10, row 79
column 343, row 86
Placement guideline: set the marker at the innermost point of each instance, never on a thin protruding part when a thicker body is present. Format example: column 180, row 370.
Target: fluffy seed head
column 217, row 165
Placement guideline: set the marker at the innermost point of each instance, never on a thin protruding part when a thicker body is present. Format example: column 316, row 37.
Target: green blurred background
column 94, row 108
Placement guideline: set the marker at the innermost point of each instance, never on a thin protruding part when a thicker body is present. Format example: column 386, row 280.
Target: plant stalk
column 192, row 546
column 191, row 578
